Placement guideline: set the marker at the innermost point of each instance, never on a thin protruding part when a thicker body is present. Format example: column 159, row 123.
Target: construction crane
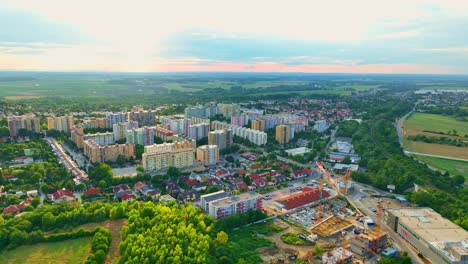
column 319, row 207
column 321, row 167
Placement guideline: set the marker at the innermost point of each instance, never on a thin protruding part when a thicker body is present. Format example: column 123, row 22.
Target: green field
column 69, row 251
column 454, row 167
column 438, row 123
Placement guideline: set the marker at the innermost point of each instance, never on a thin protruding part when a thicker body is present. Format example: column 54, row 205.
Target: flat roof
column 430, row 225
column 236, row 198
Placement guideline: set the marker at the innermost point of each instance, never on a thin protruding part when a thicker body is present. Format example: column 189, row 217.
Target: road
column 400, row 124
column 364, row 203
column 66, row 160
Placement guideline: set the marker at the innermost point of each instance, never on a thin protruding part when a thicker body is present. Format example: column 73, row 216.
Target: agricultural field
column 420, row 122
column 69, row 251
column 454, row 167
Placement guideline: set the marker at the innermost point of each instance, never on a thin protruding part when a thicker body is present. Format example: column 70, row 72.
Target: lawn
column 69, row 251
column 293, row 239
column 454, row 167
column 429, row 122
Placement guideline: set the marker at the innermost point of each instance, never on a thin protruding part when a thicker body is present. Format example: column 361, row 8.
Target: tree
column 35, row 202
column 140, row 168
column 120, row 161
column 222, row 238
column 346, row 159
column 101, row 172
column 45, row 188
column 229, row 158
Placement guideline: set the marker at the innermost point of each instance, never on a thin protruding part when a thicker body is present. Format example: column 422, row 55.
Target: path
column 302, row 251
column 435, row 156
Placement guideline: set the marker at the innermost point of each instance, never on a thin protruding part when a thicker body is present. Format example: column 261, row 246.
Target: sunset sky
column 360, row 36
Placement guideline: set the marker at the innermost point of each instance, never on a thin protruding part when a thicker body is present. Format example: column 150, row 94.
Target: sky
column 316, row 36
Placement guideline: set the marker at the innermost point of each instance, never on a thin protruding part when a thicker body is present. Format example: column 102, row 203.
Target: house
column 191, row 182
column 297, row 174
column 138, row 185
column 119, row 190
column 149, row 192
column 195, row 176
column 222, row 173
column 260, row 182
column 12, row 209
column 23, row 160
column 128, row 196
column 199, row 186
column 279, row 178
column 166, row 198
column 92, row 191
column 254, row 176
column 241, row 172
column 62, row 195
column 32, row 193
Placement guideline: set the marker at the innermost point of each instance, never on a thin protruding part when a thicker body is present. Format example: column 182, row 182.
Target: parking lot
column 128, row 171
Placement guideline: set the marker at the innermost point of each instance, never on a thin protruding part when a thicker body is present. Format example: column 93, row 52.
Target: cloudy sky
column 359, row 36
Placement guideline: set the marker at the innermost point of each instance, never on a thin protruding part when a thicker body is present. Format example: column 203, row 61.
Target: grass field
column 436, row 149
column 69, row 251
column 430, row 122
column 451, row 166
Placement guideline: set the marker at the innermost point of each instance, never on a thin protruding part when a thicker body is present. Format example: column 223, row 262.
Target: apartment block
column 162, row 156
column 140, row 136
column 198, row 131
column 60, row 123
column 283, row 134
column 321, row 126
column 115, row 118
column 95, row 122
column 201, row 111
column 144, row 118
column 208, row 154
column 240, row 120
column 77, row 135
column 119, row 129
column 163, row 132
column 257, row 137
column 29, row 122
column 101, row 138
column 258, row 124
column 236, row 204
column 197, row 120
column 97, row 153
column 220, row 138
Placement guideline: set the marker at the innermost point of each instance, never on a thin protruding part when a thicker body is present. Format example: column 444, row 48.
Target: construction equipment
column 321, row 167
column 319, row 207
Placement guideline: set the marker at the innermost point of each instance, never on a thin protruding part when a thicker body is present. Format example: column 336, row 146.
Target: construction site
column 347, row 234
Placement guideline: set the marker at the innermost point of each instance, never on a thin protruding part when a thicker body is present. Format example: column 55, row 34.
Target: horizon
column 362, row 37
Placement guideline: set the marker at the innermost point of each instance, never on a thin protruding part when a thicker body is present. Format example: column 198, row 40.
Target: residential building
column 254, row 136
column 144, row 118
column 201, row 111
column 435, row 237
column 77, row 135
column 198, row 131
column 62, row 195
column 235, row 205
column 115, row 118
column 197, row 120
column 97, row 153
column 95, row 122
column 106, row 138
column 29, row 122
column 258, row 124
column 240, row 120
column 60, row 123
column 208, row 154
column 163, row 132
column 228, row 110
column 321, row 126
column 119, row 129
column 283, row 134
column 207, row 198
column 140, row 136
column 162, row 156
column 220, row 138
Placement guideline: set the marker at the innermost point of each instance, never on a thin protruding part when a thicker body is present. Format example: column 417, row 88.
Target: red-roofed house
column 139, row 185
column 254, row 176
column 128, row 197
column 301, row 199
column 92, row 191
column 241, row 172
column 256, row 166
column 62, row 195
column 222, row 173
column 12, row 209
column 302, row 173
column 260, row 182
column 191, row 182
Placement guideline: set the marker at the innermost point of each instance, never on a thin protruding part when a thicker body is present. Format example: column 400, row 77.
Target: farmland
column 451, row 166
column 420, row 122
column 70, row 251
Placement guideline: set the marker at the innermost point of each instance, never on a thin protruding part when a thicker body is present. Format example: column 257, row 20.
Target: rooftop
column 430, row 225
column 306, row 196
column 236, row 199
